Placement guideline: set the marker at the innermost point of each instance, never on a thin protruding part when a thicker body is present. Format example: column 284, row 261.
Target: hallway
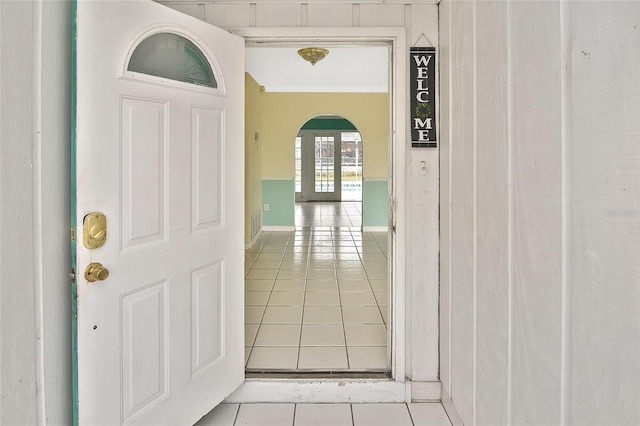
column 316, row 298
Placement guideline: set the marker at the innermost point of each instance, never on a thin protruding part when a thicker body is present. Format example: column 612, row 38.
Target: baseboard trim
column 278, row 228
column 250, row 244
column 426, row 391
column 375, row 228
column 450, row 409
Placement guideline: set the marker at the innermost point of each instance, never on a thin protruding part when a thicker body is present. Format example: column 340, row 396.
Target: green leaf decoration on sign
column 423, row 111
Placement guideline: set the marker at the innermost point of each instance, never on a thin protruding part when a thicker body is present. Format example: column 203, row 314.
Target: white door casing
column 160, row 341
column 390, row 391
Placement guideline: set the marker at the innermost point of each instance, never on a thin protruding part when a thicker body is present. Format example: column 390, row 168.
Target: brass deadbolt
column 96, row 272
column 94, row 230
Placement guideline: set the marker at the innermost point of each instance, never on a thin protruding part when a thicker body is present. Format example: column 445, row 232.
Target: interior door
column 321, row 166
column 159, row 136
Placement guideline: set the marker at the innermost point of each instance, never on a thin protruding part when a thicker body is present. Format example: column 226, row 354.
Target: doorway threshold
column 317, row 375
column 274, row 387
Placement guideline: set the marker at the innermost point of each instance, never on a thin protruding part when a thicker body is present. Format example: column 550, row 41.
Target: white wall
column 35, row 344
column 17, row 342
column 540, row 211
column 35, row 341
column 539, row 144
column 420, row 252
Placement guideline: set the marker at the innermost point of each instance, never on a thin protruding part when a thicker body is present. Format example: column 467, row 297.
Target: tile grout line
column 295, row 408
column 266, row 306
column 304, row 301
column 374, row 293
column 410, row 415
column 353, row 420
column 235, row 418
column 344, row 330
column 255, row 339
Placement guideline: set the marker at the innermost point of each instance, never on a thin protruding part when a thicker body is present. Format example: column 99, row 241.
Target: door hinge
column 72, row 275
column 73, row 233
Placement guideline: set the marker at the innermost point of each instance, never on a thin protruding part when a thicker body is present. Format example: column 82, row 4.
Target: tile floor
column 332, row 214
column 316, row 300
column 395, row 414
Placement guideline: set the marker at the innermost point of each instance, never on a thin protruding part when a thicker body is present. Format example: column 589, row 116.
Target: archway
column 328, row 160
column 328, row 168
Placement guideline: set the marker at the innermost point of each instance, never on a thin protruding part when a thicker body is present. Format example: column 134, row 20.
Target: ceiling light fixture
column 313, row 54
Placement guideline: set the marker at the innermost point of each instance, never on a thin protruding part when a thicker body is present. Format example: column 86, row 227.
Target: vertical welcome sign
column 423, row 97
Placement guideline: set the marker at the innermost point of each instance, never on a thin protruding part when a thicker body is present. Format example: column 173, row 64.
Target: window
column 325, row 158
column 173, row 57
column 351, row 166
column 298, row 163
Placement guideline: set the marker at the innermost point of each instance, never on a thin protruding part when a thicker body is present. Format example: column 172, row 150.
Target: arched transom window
column 174, row 57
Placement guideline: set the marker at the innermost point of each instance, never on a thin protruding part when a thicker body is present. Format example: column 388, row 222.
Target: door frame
column 397, row 389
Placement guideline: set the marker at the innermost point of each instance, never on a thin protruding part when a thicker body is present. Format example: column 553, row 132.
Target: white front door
column 159, row 136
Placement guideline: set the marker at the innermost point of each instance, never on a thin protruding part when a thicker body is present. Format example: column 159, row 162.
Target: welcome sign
column 423, row 97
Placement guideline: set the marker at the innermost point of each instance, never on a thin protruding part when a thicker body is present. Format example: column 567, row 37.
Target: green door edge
column 74, row 205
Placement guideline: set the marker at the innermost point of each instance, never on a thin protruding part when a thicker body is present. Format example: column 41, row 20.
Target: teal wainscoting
column 279, row 195
column 375, row 203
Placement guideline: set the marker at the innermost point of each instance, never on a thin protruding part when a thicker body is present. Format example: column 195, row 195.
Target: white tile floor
column 314, row 214
column 396, row 414
column 316, row 299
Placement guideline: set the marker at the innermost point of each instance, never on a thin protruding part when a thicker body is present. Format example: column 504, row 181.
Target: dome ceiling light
column 313, row 54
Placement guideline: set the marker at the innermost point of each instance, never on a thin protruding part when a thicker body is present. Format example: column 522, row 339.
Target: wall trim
column 450, row 409
column 251, row 243
column 375, row 229
column 426, row 391
column 400, row 242
column 278, row 228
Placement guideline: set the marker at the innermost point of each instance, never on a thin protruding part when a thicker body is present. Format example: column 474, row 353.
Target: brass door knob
column 96, row 272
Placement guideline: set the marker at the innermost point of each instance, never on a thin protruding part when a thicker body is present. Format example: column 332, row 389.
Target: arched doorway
column 328, row 168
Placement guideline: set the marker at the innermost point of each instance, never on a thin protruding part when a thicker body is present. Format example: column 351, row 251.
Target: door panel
column 143, row 146
column 208, row 343
column 206, row 133
column 144, row 351
column 160, row 339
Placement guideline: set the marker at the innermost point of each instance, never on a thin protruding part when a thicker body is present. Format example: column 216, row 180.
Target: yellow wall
column 253, row 151
column 283, row 114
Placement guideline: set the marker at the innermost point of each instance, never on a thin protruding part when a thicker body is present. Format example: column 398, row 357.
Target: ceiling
column 345, row 69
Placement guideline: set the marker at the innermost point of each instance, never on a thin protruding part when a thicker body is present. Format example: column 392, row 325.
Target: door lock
column 96, row 272
column 94, row 230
